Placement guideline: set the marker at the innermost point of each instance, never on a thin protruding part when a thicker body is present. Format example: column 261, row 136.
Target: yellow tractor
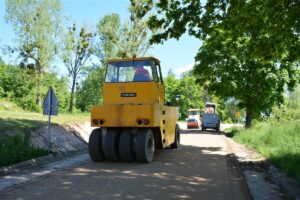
column 133, row 120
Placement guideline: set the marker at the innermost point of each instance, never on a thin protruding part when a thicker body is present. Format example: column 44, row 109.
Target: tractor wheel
column 145, row 146
column 126, row 145
column 176, row 143
column 110, row 144
column 94, row 145
column 218, row 129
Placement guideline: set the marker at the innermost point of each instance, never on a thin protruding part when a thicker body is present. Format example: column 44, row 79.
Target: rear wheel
column 95, row 141
column 144, row 147
column 218, row 128
column 176, row 143
column 126, row 145
column 110, row 144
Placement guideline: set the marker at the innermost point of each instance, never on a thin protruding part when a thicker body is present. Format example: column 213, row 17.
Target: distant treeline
column 19, row 85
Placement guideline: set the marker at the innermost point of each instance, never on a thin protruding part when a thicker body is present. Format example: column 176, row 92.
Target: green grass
column 7, row 105
column 279, row 143
column 22, row 119
column 18, row 148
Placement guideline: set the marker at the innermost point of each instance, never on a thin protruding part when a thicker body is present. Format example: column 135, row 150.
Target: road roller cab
column 133, row 120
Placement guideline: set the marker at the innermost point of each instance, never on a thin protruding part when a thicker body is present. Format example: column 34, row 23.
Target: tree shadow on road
column 189, row 172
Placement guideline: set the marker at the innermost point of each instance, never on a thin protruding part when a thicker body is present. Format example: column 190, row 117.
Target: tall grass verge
column 279, row 143
column 18, row 148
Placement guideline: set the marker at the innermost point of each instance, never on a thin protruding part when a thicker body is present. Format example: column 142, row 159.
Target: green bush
column 284, row 114
column 277, row 142
column 18, row 148
column 19, row 86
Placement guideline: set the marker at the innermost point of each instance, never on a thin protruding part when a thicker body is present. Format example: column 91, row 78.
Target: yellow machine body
column 137, row 105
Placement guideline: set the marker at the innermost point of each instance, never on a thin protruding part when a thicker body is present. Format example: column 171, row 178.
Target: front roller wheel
column 176, row 143
column 126, row 145
column 145, row 146
column 111, row 144
column 94, row 145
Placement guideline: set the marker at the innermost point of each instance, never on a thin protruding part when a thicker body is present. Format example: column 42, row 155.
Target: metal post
column 49, row 136
column 49, row 123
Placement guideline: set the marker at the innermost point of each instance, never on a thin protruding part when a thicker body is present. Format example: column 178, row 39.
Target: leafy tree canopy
column 36, row 25
column 18, row 85
column 89, row 92
column 191, row 95
column 250, row 50
column 78, row 49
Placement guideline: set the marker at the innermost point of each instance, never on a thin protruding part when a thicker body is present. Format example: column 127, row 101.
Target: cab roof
column 193, row 109
column 132, row 59
column 210, row 104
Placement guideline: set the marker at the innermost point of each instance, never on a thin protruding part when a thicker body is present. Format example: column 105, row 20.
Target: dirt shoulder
column 264, row 180
column 66, row 140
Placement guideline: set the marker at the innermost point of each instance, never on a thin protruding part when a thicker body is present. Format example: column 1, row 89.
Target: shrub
column 18, row 148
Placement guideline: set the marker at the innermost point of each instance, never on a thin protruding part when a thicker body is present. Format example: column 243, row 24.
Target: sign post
column 238, row 115
column 50, row 107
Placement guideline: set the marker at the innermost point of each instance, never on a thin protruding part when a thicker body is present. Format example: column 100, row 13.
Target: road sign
column 50, row 106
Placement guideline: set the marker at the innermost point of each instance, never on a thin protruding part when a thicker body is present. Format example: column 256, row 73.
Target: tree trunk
column 39, row 86
column 249, row 117
column 72, row 94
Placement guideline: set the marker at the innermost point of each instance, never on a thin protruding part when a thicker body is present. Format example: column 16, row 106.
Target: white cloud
column 179, row 71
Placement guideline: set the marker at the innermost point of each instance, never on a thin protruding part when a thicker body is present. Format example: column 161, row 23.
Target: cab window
column 129, row 71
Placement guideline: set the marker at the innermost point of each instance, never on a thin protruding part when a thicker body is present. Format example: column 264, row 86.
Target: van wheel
column 145, row 146
column 126, row 145
column 94, row 145
column 111, row 144
column 176, row 143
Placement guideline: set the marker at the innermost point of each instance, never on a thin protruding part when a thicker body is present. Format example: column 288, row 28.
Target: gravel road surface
column 199, row 169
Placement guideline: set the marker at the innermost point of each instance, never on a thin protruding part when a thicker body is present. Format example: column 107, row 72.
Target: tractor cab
column 133, row 81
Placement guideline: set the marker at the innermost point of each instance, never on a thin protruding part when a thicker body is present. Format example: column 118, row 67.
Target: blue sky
column 173, row 54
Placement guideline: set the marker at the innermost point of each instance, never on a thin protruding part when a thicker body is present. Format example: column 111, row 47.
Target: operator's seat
column 141, row 74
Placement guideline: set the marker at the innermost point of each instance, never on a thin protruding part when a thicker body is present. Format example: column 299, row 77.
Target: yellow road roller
column 133, row 120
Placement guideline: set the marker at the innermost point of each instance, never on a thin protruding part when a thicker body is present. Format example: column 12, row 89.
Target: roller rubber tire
column 126, row 145
column 176, row 143
column 145, row 146
column 110, row 144
column 95, row 141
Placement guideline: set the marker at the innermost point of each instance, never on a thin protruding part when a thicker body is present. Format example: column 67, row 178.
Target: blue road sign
column 50, row 106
